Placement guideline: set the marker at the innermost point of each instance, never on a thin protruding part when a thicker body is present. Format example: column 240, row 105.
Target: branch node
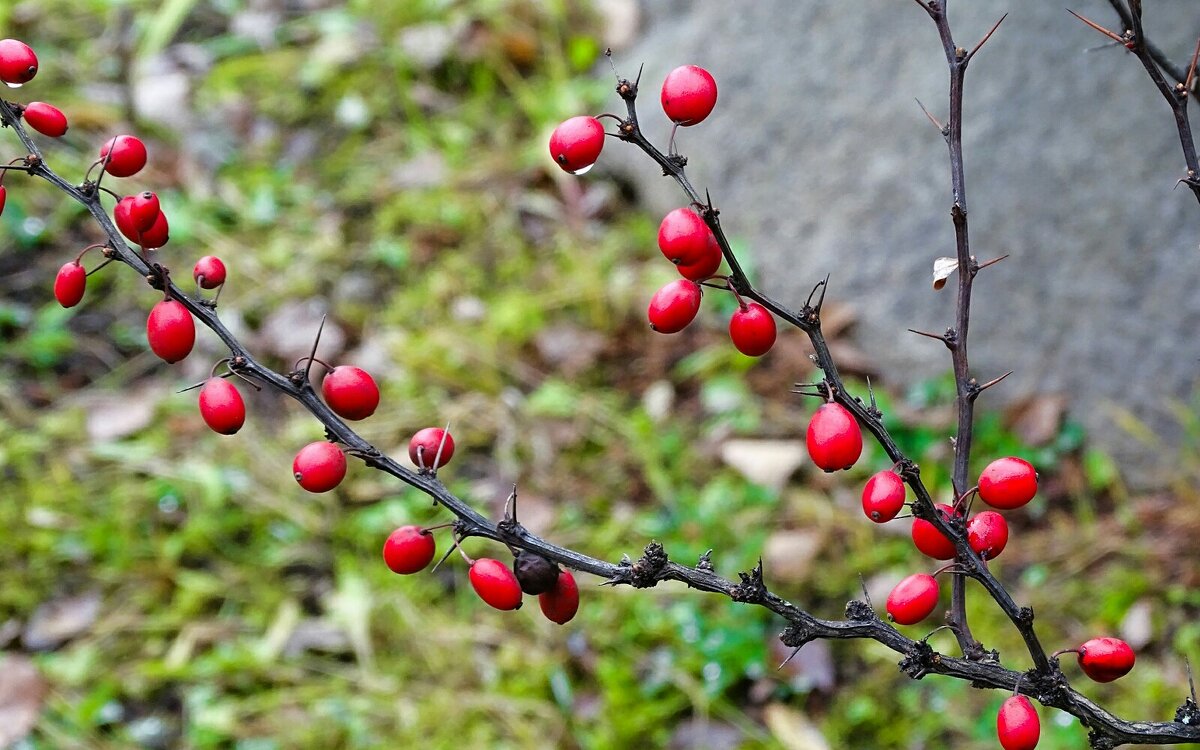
column 705, row 562
column 919, row 661
column 751, row 590
column 860, row 611
column 647, row 572
column 795, row 636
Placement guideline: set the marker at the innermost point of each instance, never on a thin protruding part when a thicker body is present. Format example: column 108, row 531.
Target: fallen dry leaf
column 22, row 690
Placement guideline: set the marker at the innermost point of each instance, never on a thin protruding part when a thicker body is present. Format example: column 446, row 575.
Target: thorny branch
column 1045, row 683
column 1158, row 67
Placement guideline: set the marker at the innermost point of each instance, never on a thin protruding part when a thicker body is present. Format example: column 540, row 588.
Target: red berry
column 576, row 144
column 222, row 407
column 3, row 197
column 1106, row 659
column 408, row 549
column 319, row 466
column 18, row 64
column 69, row 284
column 706, row 265
column 46, row 119
column 125, row 156
column 423, row 448
column 1017, row 724
column 351, row 392
column 913, row 599
column 683, row 237
column 495, row 583
column 123, row 217
column 209, row 272
column 987, row 533
column 157, row 235
column 560, row 603
column 834, row 438
column 752, row 330
column 170, row 330
column 929, row 540
column 144, row 210
column 674, row 306
column 883, row 496
column 1008, row 483
column 689, row 94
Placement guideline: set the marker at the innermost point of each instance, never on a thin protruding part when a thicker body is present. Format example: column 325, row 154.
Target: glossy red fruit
column 913, row 599
column 3, row 197
column 144, row 210
column 1106, row 659
column 423, row 448
column 987, row 533
column 683, row 237
column 46, row 119
column 123, row 218
column 125, row 155
column 704, row 266
column 689, row 94
column 495, row 583
column 576, row 144
column 560, row 603
column 408, row 549
column 929, row 540
column 222, row 407
column 18, row 64
column 1008, row 483
column 674, row 306
column 834, row 438
column 209, row 272
column 69, row 284
column 752, row 330
column 1017, row 724
column 319, row 466
column 883, row 496
column 170, row 330
column 157, row 235
column 351, row 393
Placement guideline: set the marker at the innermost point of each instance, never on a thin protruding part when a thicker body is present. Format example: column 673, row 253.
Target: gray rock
column 821, row 162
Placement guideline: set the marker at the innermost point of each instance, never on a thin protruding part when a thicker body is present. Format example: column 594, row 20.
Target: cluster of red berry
column 350, row 392
column 689, row 95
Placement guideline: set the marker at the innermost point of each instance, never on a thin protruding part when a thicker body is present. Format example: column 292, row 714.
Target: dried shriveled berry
column 535, row 573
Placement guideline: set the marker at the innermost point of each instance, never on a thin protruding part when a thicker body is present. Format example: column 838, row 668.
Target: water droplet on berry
column 583, row 170
column 13, row 85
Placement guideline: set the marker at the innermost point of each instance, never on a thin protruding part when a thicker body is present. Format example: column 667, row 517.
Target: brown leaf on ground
column 1037, row 418
column 57, row 621
column 22, row 690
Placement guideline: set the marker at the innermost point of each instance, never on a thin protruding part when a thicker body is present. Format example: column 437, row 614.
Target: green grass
column 416, row 205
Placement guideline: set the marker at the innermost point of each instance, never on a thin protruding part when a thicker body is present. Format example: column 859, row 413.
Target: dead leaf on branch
column 943, row 268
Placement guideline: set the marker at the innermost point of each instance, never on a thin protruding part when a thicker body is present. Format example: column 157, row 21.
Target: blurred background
column 385, row 163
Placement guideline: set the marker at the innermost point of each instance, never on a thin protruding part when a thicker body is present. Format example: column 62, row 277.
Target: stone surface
column 822, row 162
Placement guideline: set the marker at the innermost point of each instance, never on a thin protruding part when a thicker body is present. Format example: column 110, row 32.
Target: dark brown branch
column 1155, row 62
column 919, row 659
